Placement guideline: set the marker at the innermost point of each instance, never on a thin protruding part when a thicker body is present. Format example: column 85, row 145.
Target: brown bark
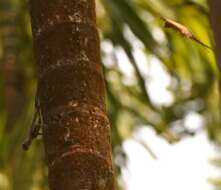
column 76, row 129
column 215, row 14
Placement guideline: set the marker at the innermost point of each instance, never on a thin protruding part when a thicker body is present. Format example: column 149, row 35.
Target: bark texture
column 215, row 13
column 71, row 91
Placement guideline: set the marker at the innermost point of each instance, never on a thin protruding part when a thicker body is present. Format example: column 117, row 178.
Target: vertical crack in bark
column 71, row 91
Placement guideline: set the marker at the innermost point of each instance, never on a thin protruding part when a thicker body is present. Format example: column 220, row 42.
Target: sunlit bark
column 76, row 129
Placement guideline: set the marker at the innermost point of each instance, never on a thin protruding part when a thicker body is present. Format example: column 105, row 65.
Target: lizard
column 37, row 123
column 183, row 30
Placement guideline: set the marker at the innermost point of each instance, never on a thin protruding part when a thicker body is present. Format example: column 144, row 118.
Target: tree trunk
column 76, row 129
column 215, row 8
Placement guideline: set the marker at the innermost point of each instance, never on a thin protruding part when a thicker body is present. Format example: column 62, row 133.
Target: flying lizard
column 183, row 30
column 37, row 124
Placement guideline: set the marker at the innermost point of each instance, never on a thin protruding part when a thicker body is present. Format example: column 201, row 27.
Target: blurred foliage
column 133, row 40
column 216, row 162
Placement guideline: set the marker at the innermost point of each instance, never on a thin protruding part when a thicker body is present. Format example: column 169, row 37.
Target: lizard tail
column 201, row 43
